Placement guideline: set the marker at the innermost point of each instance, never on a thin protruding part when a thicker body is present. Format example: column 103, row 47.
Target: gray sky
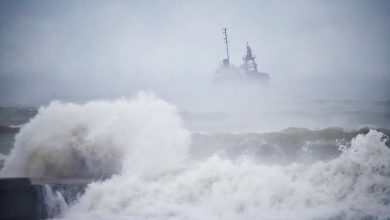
column 77, row 50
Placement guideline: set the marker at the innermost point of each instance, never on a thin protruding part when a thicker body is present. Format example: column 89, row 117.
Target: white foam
column 352, row 186
column 143, row 143
column 99, row 138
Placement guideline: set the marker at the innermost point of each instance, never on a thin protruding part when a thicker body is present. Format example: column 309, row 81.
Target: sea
column 146, row 158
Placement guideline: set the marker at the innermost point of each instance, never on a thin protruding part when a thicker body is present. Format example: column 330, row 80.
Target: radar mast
column 249, row 59
column 227, row 60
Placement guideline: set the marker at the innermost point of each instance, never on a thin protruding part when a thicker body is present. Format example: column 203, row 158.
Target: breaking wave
column 286, row 146
column 94, row 139
column 356, row 185
column 154, row 169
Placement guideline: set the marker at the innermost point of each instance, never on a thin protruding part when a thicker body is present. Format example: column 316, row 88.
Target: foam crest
column 353, row 186
column 142, row 135
column 141, row 147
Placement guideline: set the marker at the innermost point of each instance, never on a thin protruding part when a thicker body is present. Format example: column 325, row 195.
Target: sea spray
column 354, row 185
column 141, row 149
column 93, row 139
column 54, row 201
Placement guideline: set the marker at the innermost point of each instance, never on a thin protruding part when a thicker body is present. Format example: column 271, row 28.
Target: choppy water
column 153, row 164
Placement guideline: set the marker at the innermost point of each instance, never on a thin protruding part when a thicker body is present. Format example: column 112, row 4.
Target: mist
column 113, row 109
column 77, row 51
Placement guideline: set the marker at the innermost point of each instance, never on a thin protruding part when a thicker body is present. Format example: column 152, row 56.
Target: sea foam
column 355, row 185
column 142, row 150
column 98, row 139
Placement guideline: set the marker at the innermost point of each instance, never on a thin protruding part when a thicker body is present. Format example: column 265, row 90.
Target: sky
column 82, row 50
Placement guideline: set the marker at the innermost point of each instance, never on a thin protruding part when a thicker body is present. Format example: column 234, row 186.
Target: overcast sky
column 78, row 50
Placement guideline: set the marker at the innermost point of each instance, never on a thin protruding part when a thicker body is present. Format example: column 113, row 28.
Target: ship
column 246, row 73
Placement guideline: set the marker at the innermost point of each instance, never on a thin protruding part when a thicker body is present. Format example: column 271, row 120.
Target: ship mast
column 226, row 61
column 250, row 58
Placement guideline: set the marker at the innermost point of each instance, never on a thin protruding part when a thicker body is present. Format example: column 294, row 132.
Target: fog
column 82, row 50
column 109, row 108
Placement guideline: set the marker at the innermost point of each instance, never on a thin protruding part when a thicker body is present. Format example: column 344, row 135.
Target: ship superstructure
column 247, row 72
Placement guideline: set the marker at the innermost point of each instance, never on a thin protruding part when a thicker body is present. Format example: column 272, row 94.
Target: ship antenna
column 227, row 45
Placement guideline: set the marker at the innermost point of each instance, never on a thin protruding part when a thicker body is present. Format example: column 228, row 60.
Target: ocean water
column 148, row 160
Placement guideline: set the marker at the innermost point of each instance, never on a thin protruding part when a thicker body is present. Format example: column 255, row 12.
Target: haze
column 82, row 50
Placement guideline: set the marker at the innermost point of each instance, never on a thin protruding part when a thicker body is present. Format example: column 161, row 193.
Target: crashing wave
column 92, row 140
column 355, row 185
column 152, row 171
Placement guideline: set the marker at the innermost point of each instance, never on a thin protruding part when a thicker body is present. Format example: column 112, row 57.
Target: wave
column 354, row 185
column 278, row 120
column 9, row 128
column 151, row 167
column 286, row 146
column 92, row 140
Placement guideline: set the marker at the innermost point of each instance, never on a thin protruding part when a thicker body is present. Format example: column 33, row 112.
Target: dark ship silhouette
column 246, row 73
